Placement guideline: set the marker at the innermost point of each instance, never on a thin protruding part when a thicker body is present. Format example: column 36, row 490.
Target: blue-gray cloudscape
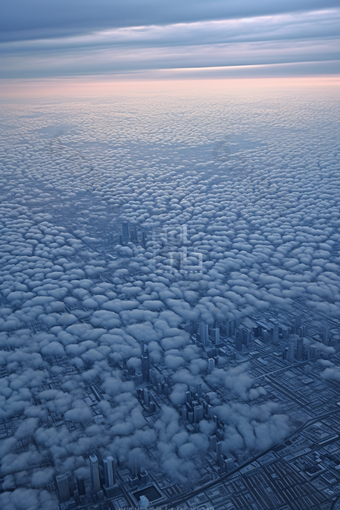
column 65, row 39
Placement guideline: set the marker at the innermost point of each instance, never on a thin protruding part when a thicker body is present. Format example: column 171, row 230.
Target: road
column 178, row 501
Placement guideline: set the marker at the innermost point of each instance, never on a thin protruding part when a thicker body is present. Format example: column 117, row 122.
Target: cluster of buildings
column 133, row 234
column 72, row 490
column 269, row 345
column 293, row 338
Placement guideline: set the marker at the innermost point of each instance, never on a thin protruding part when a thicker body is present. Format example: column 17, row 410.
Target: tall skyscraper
column 212, row 443
column 238, row 339
column 63, row 488
column 204, row 334
column 297, row 323
column 133, row 464
column 247, row 337
column 231, row 324
column 81, row 485
column 219, row 448
column 70, row 482
column 95, row 473
column 217, row 336
column 146, row 365
column 299, row 350
column 146, row 396
column 198, row 413
column 109, row 474
column 144, row 476
column 302, row 331
column 275, row 338
column 211, row 365
column 229, row 464
column 290, row 352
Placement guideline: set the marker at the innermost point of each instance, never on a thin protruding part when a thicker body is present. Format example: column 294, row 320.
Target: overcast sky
column 151, row 37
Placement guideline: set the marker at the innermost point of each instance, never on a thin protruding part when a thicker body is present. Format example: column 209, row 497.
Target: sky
column 158, row 39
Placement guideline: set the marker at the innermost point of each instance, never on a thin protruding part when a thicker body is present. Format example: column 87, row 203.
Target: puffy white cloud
column 72, row 303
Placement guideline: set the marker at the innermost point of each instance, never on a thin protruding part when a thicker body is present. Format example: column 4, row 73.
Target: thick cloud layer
column 256, row 213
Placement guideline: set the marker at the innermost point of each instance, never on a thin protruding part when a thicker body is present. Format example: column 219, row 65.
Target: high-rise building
column 238, row 340
column 302, row 331
column 146, row 396
column 152, row 377
column 219, row 448
column 219, row 434
column 297, row 323
column 231, row 327
column 204, row 334
column 146, row 365
column 290, row 352
column 312, row 352
column 144, row 476
column 275, row 338
column 70, row 482
column 63, row 488
column 133, row 464
column 299, row 350
column 198, row 413
column 81, row 485
column 211, row 365
column 212, row 443
column 285, row 332
column 248, row 337
column 95, row 478
column 217, row 336
column 229, row 464
column 133, row 482
column 109, row 474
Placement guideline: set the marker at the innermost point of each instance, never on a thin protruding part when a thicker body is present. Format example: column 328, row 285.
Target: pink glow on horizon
column 104, row 86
